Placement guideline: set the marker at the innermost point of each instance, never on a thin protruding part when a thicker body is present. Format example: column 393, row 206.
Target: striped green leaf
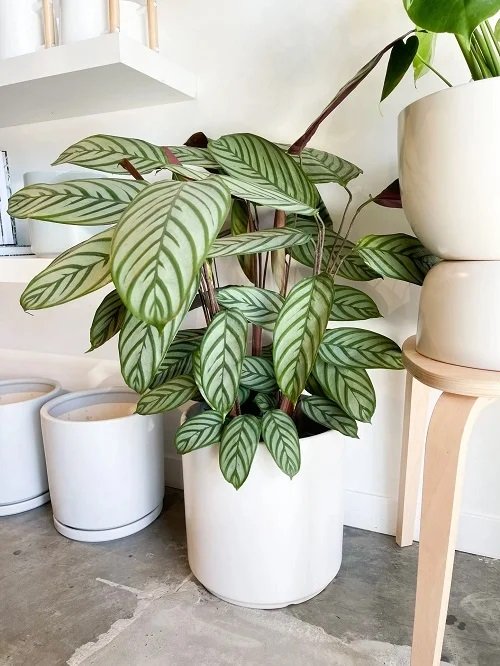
column 265, row 196
column 258, row 374
column 358, row 348
column 243, row 394
column 351, row 304
column 104, row 152
column 76, row 272
column 238, row 446
column 198, row 431
column 178, row 359
column 265, row 401
column 221, row 357
column 328, row 414
column 397, row 256
column 280, row 435
column 258, row 306
column 259, row 162
column 257, row 242
column 193, row 156
column 323, row 167
column 298, row 332
column 89, row 202
column 108, row 320
column 267, row 351
column 168, row 396
column 240, row 215
column 351, row 388
column 161, row 242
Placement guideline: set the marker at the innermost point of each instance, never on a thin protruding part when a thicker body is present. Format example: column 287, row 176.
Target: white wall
column 270, row 67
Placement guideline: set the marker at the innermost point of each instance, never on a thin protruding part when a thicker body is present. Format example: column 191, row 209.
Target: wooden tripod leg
column 444, row 466
column 412, row 457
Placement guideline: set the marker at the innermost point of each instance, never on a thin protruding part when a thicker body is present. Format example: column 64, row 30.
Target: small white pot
column 23, row 476
column 459, row 315
column 275, row 541
column 21, row 27
column 448, row 165
column 86, row 19
column 104, row 463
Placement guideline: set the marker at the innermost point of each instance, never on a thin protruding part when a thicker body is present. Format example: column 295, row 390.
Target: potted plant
column 262, row 450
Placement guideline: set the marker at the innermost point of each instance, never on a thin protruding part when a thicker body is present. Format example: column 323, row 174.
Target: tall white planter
column 21, row 27
column 23, row 476
column 275, row 541
column 86, row 19
column 104, row 463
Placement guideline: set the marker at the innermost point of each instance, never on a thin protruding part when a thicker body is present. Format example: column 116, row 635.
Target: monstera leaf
column 460, row 17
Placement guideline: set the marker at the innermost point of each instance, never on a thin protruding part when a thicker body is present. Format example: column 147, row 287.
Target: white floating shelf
column 21, row 268
column 108, row 73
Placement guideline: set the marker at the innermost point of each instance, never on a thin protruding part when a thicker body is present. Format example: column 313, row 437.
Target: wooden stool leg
column 412, row 456
column 444, row 466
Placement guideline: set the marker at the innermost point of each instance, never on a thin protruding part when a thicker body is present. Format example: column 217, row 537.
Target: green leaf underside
column 239, row 225
column 104, row 152
column 75, row 273
column 168, row 396
column 257, row 374
column 400, row 60
column 265, row 196
column 397, row 256
column 261, row 163
column 351, row 304
column 238, row 446
column 88, row 202
column 329, row 414
column 221, row 357
column 298, row 332
column 178, row 359
column 425, row 52
column 161, row 243
column 358, row 348
column 257, row 242
column 199, row 431
column 265, row 401
column 322, row 167
column 281, row 438
column 108, row 320
column 351, row 388
column 258, row 306
column 456, row 16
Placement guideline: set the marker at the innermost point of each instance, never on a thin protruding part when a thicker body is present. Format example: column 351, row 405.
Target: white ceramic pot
column 448, row 162
column 21, row 27
column 459, row 315
column 275, row 541
column 104, row 463
column 85, row 19
column 49, row 239
column 23, row 476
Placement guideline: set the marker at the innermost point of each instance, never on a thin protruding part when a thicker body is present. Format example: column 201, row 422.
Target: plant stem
column 482, row 47
column 480, row 57
column 128, row 166
column 209, row 280
column 492, row 36
column 287, row 406
column 492, row 48
column 429, row 66
column 469, row 58
column 318, row 258
column 256, row 340
column 344, row 240
column 333, row 256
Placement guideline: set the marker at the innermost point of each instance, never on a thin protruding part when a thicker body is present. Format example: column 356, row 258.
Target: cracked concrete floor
column 133, row 602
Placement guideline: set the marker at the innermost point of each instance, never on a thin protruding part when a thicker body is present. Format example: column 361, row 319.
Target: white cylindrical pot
column 21, row 27
column 275, row 541
column 83, row 20
column 23, row 476
column 459, row 315
column 104, row 463
column 448, row 165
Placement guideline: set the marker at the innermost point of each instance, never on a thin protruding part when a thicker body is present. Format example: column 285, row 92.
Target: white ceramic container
column 85, row 19
column 104, row 463
column 275, row 541
column 21, row 27
column 23, row 476
column 448, row 161
column 459, row 315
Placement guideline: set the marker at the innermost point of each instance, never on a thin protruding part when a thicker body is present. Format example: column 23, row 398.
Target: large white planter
column 23, row 476
column 21, row 27
column 104, row 463
column 275, row 541
column 85, row 19
column 459, row 316
column 448, row 161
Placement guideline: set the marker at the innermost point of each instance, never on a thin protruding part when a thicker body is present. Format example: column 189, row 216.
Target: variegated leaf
column 280, row 435
column 194, row 156
column 258, row 374
column 238, row 446
column 76, row 272
column 240, row 215
column 107, row 321
column 258, row 306
column 88, row 202
column 221, row 357
column 198, row 431
column 358, row 348
column 257, row 242
column 328, row 414
column 351, row 304
column 104, row 152
column 161, row 242
column 265, row 401
column 168, row 396
column 351, row 388
column 243, row 394
column 265, row 196
column 178, row 359
column 323, row 167
column 298, row 332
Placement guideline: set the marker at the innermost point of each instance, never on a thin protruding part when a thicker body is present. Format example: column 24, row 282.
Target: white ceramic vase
column 104, row 463
column 275, row 541
column 23, row 476
column 21, row 27
column 86, row 19
column 448, row 161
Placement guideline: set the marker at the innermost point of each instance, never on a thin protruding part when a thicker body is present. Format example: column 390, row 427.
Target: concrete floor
column 133, row 602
